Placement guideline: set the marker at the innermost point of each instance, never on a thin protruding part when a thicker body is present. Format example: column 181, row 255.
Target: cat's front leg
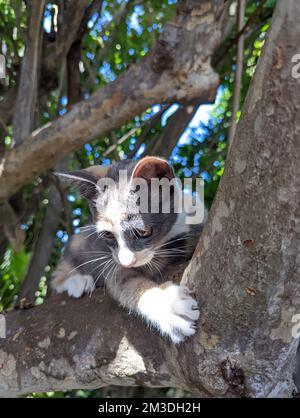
column 67, row 279
column 76, row 285
column 171, row 309
column 168, row 307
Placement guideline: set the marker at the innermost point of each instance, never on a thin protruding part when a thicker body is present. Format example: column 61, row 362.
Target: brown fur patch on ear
column 98, row 171
column 153, row 167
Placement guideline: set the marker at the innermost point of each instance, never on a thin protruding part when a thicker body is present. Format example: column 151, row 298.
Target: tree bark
column 178, row 69
column 71, row 22
column 23, row 121
column 43, row 247
column 245, row 272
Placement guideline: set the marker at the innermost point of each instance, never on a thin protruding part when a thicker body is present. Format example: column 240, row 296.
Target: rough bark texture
column 177, row 69
column 248, row 256
column 81, row 343
column 245, row 272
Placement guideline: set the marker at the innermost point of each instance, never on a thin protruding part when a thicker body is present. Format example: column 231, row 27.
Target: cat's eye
column 108, row 235
column 144, row 233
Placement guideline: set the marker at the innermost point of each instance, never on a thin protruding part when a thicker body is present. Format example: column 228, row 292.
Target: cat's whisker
column 83, row 264
column 157, row 266
column 113, row 273
column 180, row 246
column 110, row 263
column 149, row 266
column 105, row 264
column 94, row 252
column 94, row 283
column 173, row 253
column 171, row 250
column 117, row 269
column 167, row 256
column 178, row 250
column 90, row 235
column 85, row 227
column 172, row 241
column 101, row 273
column 110, row 268
column 100, row 235
column 100, row 265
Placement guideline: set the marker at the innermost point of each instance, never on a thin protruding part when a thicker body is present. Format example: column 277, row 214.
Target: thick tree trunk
column 245, row 272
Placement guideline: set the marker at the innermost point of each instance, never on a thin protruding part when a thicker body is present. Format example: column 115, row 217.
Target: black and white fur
column 112, row 252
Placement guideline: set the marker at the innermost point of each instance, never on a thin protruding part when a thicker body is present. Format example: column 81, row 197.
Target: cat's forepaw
column 183, row 313
column 76, row 285
column 172, row 310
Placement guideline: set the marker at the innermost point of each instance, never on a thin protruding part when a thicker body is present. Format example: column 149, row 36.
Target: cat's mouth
column 132, row 259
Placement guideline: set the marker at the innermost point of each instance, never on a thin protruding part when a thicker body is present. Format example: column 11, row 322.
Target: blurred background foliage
column 118, row 36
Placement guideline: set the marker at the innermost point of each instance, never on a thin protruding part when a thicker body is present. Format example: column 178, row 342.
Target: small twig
column 91, row 73
column 238, row 72
column 120, row 141
column 119, row 16
column 148, row 124
column 217, row 61
column 17, row 12
column 3, row 125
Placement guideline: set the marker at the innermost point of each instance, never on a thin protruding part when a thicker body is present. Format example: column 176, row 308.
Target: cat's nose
column 126, row 257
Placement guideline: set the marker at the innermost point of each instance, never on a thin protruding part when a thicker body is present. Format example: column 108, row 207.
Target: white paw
column 172, row 310
column 77, row 285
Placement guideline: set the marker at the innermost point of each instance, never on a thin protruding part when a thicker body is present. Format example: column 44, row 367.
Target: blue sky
column 202, row 116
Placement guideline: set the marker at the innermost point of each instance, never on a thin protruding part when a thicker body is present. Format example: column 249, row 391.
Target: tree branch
column 167, row 140
column 95, row 360
column 172, row 72
column 23, row 121
column 43, row 247
column 68, row 32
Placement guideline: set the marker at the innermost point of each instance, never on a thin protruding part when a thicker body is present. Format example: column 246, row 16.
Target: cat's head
column 130, row 206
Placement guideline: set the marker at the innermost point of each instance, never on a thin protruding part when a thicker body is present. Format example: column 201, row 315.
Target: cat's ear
column 86, row 180
column 153, row 167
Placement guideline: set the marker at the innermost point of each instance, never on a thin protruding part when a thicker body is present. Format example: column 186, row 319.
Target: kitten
column 128, row 250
